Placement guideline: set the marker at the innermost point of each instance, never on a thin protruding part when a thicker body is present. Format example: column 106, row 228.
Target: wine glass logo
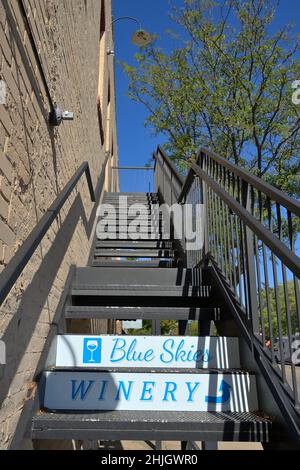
column 92, row 347
column 92, row 351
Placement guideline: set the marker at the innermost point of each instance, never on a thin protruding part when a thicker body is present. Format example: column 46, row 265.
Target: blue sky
column 136, row 144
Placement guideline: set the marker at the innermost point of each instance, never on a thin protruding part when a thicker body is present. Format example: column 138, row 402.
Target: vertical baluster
column 296, row 282
column 234, row 235
column 239, row 256
column 247, row 201
column 232, row 263
column 224, row 241
column 213, row 231
column 210, row 216
column 221, row 254
column 260, row 299
column 268, row 302
column 287, row 308
column 229, row 233
column 277, row 299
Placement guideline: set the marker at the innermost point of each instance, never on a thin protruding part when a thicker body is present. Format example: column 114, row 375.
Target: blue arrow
column 224, row 390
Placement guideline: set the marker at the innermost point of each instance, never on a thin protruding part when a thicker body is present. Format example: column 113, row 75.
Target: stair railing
column 252, row 240
column 15, row 267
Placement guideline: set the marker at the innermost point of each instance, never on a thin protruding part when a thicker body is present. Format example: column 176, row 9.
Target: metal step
column 125, row 223
column 153, row 425
column 113, row 193
column 132, row 195
column 135, row 263
column 153, row 276
column 140, row 290
column 147, row 206
column 134, row 253
column 143, row 313
column 140, row 236
column 129, row 218
column 132, row 201
column 143, row 239
column 164, row 245
column 143, row 229
column 146, row 215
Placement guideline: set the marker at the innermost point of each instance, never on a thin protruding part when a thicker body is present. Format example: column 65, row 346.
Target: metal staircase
column 143, row 253
column 241, row 287
column 153, row 285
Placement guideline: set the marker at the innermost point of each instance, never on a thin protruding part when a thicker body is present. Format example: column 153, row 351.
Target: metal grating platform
column 128, row 425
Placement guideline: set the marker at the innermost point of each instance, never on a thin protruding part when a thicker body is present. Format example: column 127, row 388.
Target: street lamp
column 141, row 38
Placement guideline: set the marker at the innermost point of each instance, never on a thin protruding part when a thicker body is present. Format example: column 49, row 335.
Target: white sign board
column 96, row 391
column 132, row 325
column 147, row 351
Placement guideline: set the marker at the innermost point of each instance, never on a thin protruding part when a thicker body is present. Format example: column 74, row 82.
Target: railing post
column 251, row 301
column 205, row 203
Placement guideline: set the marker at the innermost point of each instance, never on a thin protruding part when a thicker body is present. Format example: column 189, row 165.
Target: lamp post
column 140, row 38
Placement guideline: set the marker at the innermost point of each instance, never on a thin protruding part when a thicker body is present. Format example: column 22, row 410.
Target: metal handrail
column 273, row 193
column 282, row 252
column 18, row 263
column 170, row 164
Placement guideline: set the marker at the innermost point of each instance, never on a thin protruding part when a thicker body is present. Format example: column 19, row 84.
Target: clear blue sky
column 135, row 141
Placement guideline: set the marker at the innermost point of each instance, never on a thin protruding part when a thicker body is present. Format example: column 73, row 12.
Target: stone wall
column 37, row 161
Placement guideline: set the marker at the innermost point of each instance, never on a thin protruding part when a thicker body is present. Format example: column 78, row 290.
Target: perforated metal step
column 134, row 253
column 143, row 313
column 141, row 425
column 140, row 290
column 159, row 263
column 128, row 244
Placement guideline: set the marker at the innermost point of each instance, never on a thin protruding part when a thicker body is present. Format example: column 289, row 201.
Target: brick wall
column 37, row 161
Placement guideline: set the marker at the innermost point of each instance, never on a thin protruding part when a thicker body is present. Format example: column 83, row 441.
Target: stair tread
column 158, row 245
column 219, row 426
column 136, row 263
column 158, row 416
column 150, row 370
column 134, row 253
column 121, row 290
column 144, row 312
column 140, row 287
column 176, row 310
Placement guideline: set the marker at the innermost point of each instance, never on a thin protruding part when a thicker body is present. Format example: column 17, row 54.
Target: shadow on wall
column 19, row 331
column 16, row 41
column 18, row 334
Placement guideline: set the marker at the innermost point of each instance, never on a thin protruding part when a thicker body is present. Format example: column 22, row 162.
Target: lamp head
column 141, row 38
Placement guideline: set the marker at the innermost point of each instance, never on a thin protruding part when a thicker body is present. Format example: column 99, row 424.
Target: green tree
column 168, row 328
column 227, row 86
column 283, row 295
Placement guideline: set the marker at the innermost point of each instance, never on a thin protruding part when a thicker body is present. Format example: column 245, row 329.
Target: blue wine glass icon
column 92, row 346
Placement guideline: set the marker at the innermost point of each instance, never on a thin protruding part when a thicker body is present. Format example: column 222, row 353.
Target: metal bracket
column 56, row 116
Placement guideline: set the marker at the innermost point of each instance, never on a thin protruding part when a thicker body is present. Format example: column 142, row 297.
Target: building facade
column 54, row 49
